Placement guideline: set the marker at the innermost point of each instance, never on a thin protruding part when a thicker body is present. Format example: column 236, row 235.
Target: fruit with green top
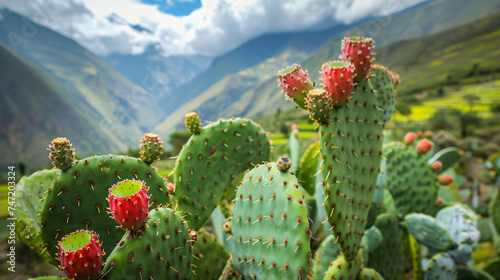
column 295, row 84
column 129, row 204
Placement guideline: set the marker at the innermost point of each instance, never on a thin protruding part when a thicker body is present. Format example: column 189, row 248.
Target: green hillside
column 262, row 97
column 117, row 112
column 35, row 109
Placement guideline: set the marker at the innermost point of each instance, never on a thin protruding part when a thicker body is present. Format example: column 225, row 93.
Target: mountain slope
column 35, row 109
column 118, row 111
column 263, row 97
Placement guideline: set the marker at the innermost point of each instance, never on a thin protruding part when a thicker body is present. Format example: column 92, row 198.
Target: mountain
column 232, row 95
column 117, row 112
column 35, row 109
column 156, row 73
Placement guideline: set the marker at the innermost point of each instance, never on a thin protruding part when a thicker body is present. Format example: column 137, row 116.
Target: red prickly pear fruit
column 358, row 50
column 338, row 80
column 419, row 134
column 80, row 254
column 436, row 166
column 171, row 187
column 283, row 164
column 294, row 126
column 295, row 84
column 61, row 153
column 410, row 137
column 129, row 204
column 445, row 179
column 424, row 146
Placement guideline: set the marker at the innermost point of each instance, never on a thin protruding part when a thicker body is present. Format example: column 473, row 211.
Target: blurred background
column 102, row 73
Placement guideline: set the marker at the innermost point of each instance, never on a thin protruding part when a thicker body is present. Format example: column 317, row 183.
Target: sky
column 191, row 27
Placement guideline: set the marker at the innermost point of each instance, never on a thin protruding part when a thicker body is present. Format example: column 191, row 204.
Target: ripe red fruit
column 424, row 146
column 80, row 255
column 436, row 166
column 410, row 137
column 295, row 84
column 358, row 50
column 445, row 179
column 129, row 203
column 338, row 79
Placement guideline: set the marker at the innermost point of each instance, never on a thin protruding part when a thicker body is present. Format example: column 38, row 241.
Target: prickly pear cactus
column 327, row 253
column 410, row 179
column 389, row 258
column 385, row 82
column 230, row 273
column 369, row 274
column 351, row 152
column 164, row 251
column 341, row 268
column 77, row 200
column 209, row 257
column 308, row 168
column 429, row 232
column 441, row 266
column 270, row 226
column 209, row 162
column 30, row 192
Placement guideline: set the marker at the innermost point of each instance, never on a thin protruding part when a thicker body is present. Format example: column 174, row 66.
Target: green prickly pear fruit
column 295, row 84
column 319, row 104
column 338, row 80
column 358, row 50
column 193, row 123
column 80, row 254
column 61, row 153
column 150, row 148
column 129, row 204
column 410, row 137
column 283, row 164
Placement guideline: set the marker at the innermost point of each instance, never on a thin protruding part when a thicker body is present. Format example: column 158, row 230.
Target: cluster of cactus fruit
column 369, row 202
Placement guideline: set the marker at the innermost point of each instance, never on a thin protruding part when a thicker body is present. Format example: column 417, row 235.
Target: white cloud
column 215, row 28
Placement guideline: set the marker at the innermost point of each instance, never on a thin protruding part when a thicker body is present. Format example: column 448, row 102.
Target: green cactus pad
column 448, row 158
column 410, row 179
column 341, row 268
column 492, row 267
column 270, row 227
column 351, row 153
column 461, row 223
column 372, row 239
column 415, row 256
column 389, row 258
column 429, row 232
column 30, row 192
column 164, row 251
column 77, row 199
column 327, row 253
column 209, row 162
column 441, row 266
column 209, row 257
column 470, row 273
column 494, row 209
column 308, row 167
column 369, row 274
column 384, row 84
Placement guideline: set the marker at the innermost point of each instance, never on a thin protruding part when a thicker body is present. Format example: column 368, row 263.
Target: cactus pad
column 164, row 251
column 77, row 199
column 383, row 82
column 341, row 268
column 210, row 257
column 429, row 232
column 30, row 192
column 270, row 226
column 209, row 162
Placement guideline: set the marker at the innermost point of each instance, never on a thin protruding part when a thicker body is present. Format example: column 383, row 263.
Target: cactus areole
column 129, row 203
column 80, row 255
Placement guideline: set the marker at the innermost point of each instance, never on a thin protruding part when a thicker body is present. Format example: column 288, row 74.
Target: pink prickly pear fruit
column 170, row 187
column 445, row 179
column 420, row 134
column 436, row 166
column 424, row 146
column 358, row 50
column 294, row 126
column 338, row 80
column 429, row 134
column 129, row 204
column 410, row 137
column 80, row 254
column 295, row 84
